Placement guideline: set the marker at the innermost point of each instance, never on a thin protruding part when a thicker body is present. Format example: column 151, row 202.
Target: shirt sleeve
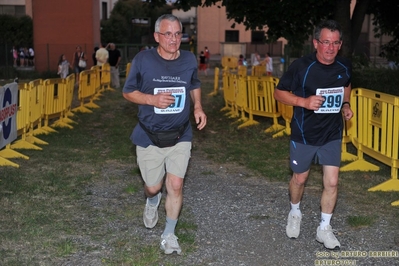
column 133, row 78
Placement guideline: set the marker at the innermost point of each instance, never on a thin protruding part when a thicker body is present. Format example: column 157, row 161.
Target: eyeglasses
column 328, row 43
column 169, row 35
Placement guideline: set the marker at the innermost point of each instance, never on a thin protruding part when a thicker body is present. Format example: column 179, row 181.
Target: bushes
column 377, row 79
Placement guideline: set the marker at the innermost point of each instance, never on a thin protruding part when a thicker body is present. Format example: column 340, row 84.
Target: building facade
column 59, row 26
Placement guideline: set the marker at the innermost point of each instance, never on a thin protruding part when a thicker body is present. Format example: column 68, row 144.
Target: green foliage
column 295, row 20
column 386, row 22
column 119, row 28
column 360, row 61
column 376, row 79
column 16, row 31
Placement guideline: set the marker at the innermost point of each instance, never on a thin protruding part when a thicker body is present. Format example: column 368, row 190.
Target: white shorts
column 154, row 161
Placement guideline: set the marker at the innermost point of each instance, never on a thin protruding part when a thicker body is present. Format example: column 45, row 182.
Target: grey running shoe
column 293, row 225
column 328, row 238
column 169, row 244
column 150, row 215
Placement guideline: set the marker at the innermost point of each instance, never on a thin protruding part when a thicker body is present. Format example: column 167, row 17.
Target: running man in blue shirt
column 318, row 86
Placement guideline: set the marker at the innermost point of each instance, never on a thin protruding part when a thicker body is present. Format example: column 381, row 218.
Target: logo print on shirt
column 339, row 77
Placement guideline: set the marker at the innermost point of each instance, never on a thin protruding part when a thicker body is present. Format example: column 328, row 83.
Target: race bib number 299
column 180, row 98
column 333, row 98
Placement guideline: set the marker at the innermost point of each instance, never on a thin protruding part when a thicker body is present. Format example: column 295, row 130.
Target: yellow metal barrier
column 286, row 111
column 215, row 83
column 128, row 69
column 30, row 97
column 242, row 71
column 98, row 87
column 22, row 126
column 261, row 101
column 58, row 95
column 8, row 153
column 346, row 138
column 376, row 133
column 241, row 103
column 87, row 91
column 70, row 88
column 229, row 95
column 258, row 71
column 106, row 77
column 41, row 101
column 229, row 62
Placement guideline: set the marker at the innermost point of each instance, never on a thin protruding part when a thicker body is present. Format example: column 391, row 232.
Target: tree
column 295, row 20
column 386, row 23
column 16, row 31
column 119, row 28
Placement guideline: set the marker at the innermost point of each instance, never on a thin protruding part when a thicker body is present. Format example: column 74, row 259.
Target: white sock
column 295, row 210
column 325, row 220
column 153, row 201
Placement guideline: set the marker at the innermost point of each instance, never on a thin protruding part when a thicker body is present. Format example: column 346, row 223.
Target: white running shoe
column 327, row 238
column 169, row 244
column 150, row 214
column 293, row 225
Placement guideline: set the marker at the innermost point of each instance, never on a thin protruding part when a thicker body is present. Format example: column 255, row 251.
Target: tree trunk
column 351, row 26
column 357, row 20
column 342, row 16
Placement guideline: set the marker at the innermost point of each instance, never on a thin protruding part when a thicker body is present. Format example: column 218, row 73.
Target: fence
column 44, row 105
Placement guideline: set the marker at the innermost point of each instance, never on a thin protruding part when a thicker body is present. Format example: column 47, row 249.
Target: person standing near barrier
column 114, row 60
column 63, row 67
column 207, row 56
column 161, row 82
column 79, row 55
column 14, row 52
column 269, row 65
column 256, row 59
column 320, row 84
column 31, row 56
column 202, row 64
column 102, row 55
column 93, row 56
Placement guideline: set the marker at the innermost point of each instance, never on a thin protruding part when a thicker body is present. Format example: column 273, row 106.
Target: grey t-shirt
column 150, row 73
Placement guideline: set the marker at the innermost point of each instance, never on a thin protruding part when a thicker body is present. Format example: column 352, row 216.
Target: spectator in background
column 114, row 60
column 241, row 60
column 102, row 55
column 21, row 57
column 14, row 52
column 256, row 59
column 269, row 64
column 94, row 56
column 63, row 67
column 31, row 53
column 77, row 56
column 207, row 56
column 202, row 64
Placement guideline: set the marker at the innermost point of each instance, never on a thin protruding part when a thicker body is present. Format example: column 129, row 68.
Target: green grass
column 360, row 221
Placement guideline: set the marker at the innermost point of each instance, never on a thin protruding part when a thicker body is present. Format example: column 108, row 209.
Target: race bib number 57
column 180, row 98
column 333, row 98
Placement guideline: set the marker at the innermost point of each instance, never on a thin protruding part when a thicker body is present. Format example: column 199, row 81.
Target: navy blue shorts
column 302, row 156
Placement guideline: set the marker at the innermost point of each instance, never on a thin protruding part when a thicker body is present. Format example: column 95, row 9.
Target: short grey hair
column 169, row 17
column 332, row 25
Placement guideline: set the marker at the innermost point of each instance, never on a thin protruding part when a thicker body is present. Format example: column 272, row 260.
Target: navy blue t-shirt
column 149, row 73
column 303, row 77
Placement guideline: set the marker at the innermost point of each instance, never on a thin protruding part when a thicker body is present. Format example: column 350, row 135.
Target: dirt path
column 241, row 220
